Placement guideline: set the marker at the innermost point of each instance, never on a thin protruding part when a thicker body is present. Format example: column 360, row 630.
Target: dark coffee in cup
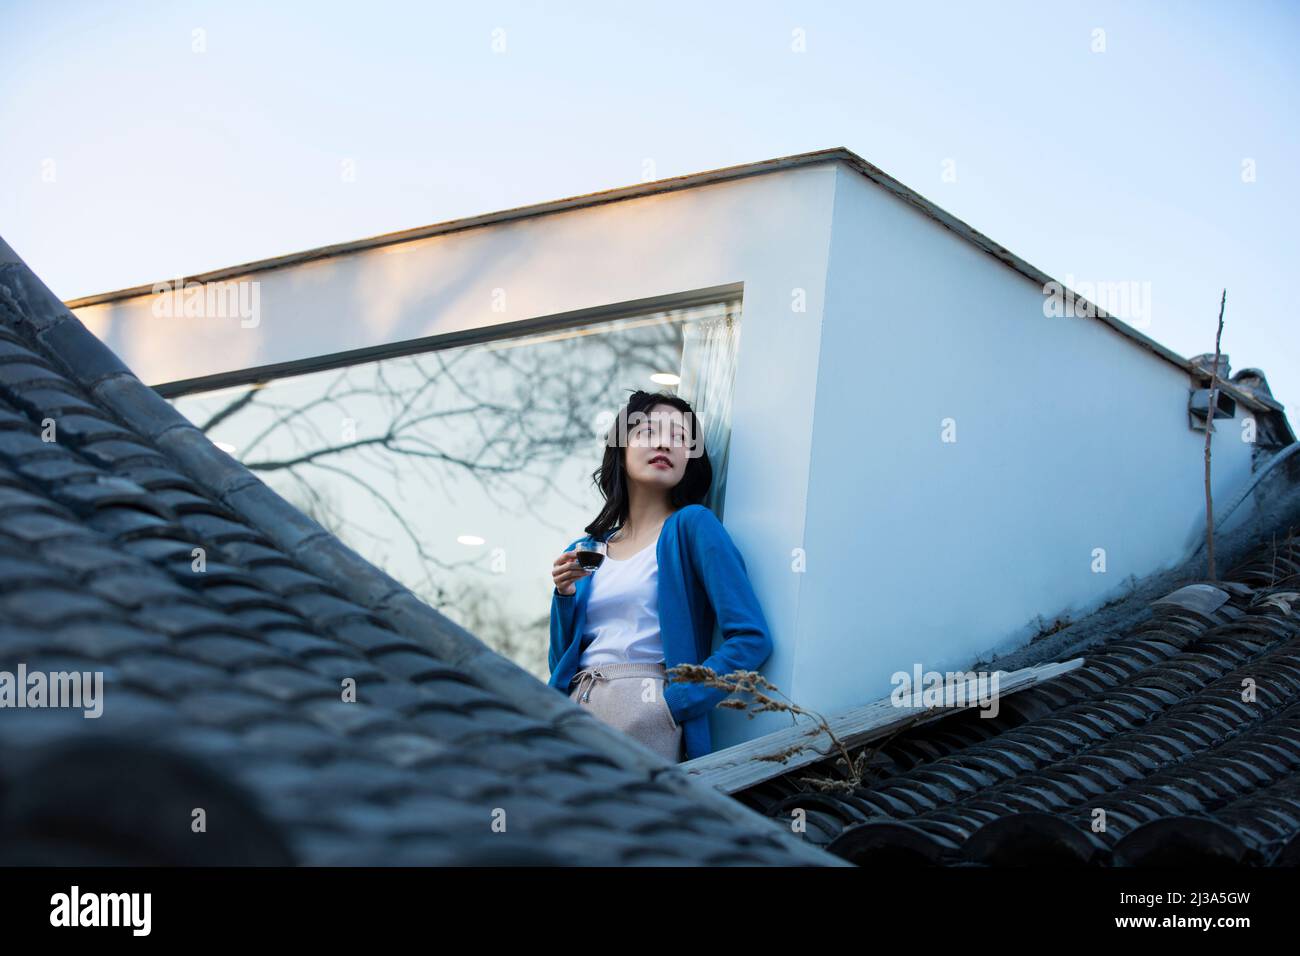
column 589, row 560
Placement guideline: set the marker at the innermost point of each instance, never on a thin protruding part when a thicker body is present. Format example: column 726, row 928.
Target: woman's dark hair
column 611, row 476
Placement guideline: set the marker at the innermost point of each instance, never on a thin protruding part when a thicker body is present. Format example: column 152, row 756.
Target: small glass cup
column 591, row 554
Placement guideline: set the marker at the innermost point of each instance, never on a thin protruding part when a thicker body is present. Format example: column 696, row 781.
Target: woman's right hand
column 565, row 571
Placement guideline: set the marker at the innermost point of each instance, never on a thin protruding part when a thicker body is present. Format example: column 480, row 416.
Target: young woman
column 670, row 574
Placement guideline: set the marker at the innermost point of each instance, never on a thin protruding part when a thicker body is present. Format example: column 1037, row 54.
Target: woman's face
column 657, row 447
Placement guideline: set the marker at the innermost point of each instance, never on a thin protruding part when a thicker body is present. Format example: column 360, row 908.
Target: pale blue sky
column 1118, row 165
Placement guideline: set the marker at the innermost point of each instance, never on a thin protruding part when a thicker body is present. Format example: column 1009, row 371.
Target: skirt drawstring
column 589, row 676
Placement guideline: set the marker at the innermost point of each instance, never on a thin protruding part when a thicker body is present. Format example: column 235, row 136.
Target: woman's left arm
column 746, row 640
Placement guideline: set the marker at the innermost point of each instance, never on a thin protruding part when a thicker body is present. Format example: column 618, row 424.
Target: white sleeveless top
column 623, row 611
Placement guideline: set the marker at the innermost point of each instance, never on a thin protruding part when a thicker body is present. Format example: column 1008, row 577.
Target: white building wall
column 1070, row 438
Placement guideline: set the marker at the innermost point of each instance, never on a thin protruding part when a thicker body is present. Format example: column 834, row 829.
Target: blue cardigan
column 702, row 582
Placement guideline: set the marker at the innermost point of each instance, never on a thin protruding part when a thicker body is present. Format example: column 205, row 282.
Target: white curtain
column 709, row 343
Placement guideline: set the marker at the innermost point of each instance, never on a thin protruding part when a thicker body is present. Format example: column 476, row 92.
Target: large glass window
column 464, row 471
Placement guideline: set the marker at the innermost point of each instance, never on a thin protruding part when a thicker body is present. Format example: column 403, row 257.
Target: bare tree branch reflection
column 403, row 433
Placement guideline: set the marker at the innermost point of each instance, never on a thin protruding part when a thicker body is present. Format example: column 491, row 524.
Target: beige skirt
column 630, row 697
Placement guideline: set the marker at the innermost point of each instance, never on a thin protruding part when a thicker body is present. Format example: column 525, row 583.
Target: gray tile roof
column 1152, row 729
column 222, row 686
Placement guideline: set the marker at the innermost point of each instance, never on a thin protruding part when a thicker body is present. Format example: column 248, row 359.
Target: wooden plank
column 754, row 761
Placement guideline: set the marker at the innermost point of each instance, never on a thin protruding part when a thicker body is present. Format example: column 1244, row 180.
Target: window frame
column 433, row 343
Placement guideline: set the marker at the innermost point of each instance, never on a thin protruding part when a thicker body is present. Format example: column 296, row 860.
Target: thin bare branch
column 1209, row 430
